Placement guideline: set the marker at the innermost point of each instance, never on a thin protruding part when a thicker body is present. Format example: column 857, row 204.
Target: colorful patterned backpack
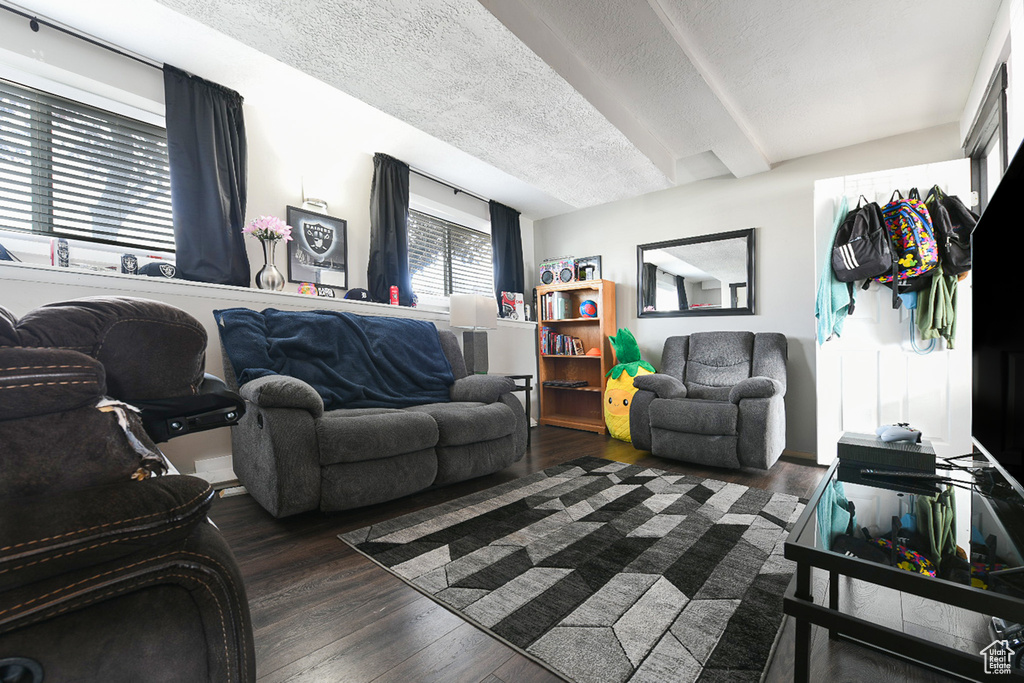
column 913, row 242
column 905, row 558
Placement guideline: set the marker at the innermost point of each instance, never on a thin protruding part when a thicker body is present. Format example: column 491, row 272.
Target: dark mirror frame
column 747, row 233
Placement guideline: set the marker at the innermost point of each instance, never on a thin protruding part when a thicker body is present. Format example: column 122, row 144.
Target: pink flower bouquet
column 268, row 229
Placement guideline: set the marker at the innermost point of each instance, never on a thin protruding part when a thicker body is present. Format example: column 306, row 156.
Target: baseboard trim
column 217, row 470
column 801, row 455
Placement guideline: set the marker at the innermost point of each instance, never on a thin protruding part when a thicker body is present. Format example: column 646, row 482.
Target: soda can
column 394, row 295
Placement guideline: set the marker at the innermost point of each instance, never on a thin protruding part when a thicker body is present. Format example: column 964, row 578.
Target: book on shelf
column 556, row 306
column 554, row 344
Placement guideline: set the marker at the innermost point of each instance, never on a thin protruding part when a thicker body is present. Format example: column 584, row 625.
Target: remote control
column 898, row 432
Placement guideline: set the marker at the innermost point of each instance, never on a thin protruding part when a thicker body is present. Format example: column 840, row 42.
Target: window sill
column 137, row 285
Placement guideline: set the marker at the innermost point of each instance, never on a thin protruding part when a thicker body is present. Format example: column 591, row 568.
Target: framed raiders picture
column 318, row 252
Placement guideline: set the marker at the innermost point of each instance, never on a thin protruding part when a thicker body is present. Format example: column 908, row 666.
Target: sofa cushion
column 149, row 349
column 466, row 422
column 363, row 434
column 694, row 416
column 716, row 451
column 717, row 359
column 351, row 485
column 459, row 463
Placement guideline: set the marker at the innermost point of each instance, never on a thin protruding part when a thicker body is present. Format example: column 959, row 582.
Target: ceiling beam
column 741, row 160
column 547, row 45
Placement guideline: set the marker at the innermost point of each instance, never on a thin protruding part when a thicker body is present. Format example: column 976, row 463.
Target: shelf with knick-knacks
column 576, row 319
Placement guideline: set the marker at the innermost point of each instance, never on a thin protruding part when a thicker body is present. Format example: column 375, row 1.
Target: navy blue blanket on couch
column 353, row 361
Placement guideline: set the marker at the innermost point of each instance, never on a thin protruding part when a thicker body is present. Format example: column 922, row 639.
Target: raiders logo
column 319, row 238
column 167, row 270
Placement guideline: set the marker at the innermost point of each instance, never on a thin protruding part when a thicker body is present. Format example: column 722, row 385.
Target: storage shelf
column 577, row 407
column 587, row 388
column 575, row 422
column 572, row 320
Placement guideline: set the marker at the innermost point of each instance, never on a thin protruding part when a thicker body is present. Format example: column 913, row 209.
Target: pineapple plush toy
column 619, row 389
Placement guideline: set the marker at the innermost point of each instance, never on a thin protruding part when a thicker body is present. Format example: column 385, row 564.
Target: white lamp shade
column 472, row 311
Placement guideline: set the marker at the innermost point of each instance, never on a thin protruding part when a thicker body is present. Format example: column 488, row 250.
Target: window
column 446, row 258
column 986, row 144
column 71, row 170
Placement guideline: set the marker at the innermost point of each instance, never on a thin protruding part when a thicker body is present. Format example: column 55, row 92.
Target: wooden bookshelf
column 577, row 407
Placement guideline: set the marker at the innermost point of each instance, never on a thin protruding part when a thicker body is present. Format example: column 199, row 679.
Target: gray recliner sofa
column 718, row 400
column 293, row 456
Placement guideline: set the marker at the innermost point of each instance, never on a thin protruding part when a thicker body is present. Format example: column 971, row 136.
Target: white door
column 873, row 374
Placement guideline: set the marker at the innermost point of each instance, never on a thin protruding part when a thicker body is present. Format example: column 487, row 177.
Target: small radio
column 560, row 269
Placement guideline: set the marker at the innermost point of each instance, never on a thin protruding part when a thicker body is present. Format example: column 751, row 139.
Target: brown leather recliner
column 108, row 572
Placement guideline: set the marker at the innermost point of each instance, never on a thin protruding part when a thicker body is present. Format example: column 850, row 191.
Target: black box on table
column 869, row 451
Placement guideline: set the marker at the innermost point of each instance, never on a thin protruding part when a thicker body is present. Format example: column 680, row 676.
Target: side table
column 526, row 387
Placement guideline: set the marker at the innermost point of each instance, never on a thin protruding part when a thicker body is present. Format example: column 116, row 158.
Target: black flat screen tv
column 998, row 321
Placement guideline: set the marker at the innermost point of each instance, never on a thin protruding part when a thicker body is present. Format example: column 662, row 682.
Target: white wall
column 779, row 204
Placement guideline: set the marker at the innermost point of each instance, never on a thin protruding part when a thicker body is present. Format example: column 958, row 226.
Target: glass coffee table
column 982, row 515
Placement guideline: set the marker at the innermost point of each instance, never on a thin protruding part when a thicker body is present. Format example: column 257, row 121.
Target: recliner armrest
column 664, row 386
column 481, row 388
column 43, row 536
column 213, row 406
column 281, row 391
column 756, row 387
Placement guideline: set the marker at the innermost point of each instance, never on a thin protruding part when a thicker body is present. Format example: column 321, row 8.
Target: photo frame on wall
column 588, row 268
column 318, row 252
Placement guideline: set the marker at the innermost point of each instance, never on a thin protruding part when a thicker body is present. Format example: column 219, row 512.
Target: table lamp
column 475, row 313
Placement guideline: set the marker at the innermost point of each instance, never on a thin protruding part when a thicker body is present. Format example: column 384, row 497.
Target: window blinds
column 446, row 258
column 71, row 170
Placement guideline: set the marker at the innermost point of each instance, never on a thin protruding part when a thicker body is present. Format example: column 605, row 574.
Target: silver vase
column 269, row 276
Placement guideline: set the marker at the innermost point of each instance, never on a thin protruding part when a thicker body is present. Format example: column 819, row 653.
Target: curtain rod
column 34, row 23
column 454, row 187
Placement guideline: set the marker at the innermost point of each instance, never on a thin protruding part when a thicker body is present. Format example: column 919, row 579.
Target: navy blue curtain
column 207, row 152
column 506, row 250
column 389, row 231
column 649, row 286
column 684, row 305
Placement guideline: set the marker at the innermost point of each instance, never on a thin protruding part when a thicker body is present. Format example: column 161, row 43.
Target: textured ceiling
column 708, row 86
column 814, row 76
column 595, row 100
column 451, row 69
column 551, row 105
column 724, row 260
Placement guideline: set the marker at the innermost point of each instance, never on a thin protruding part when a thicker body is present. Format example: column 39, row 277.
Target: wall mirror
column 703, row 275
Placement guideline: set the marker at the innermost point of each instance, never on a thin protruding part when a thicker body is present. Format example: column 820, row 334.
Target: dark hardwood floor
column 323, row 612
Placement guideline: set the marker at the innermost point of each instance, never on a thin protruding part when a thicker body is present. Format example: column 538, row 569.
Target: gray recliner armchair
column 718, row 400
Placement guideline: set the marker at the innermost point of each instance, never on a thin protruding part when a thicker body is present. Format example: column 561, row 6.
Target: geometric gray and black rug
column 606, row 572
